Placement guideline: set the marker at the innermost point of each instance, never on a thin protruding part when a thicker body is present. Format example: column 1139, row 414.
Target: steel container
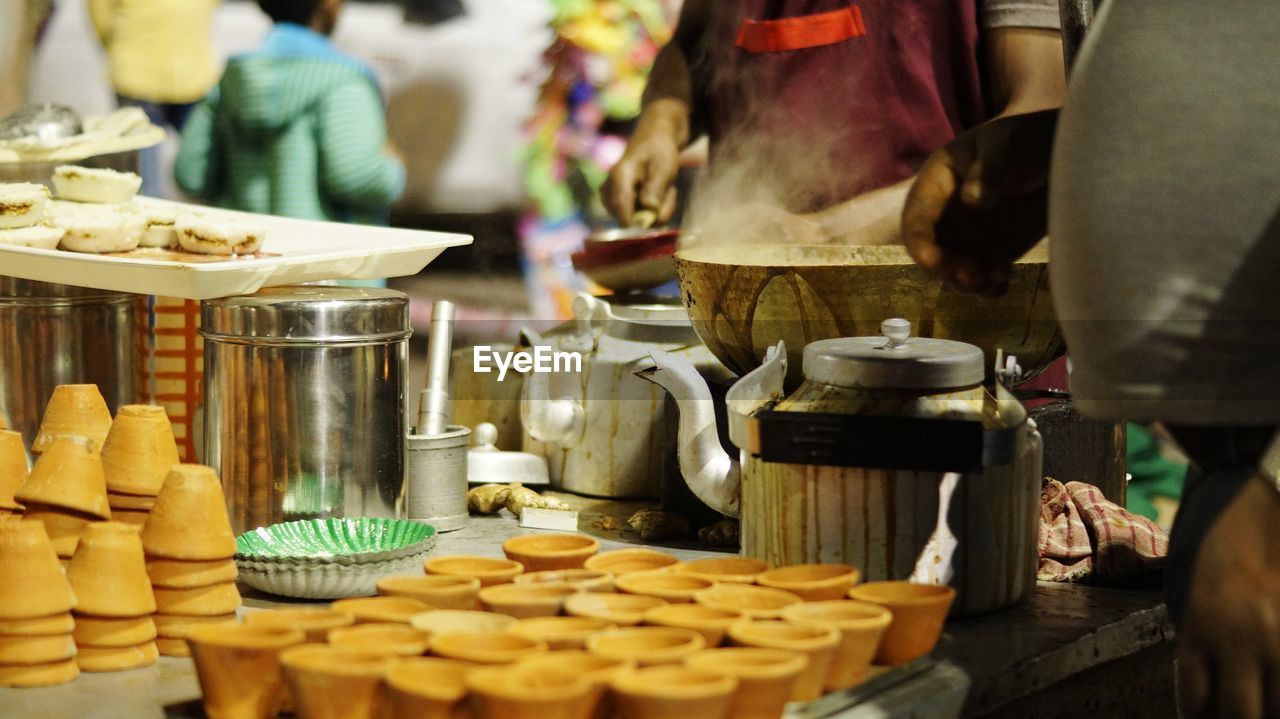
column 304, row 402
column 56, row 334
column 436, row 478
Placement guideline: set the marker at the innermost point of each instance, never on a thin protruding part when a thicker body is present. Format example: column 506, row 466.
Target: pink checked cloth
column 1082, row 533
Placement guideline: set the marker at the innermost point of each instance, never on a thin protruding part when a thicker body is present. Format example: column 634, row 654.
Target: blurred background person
column 160, row 57
column 295, row 128
column 21, row 24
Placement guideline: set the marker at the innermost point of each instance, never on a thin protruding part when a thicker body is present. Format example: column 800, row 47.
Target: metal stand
column 1079, row 449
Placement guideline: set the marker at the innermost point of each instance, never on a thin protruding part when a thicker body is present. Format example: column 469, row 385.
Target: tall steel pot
column 57, row 334
column 304, row 402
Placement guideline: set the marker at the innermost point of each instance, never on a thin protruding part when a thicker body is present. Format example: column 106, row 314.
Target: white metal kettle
column 602, row 430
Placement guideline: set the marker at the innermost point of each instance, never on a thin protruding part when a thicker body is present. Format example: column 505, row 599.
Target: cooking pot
column 743, row 299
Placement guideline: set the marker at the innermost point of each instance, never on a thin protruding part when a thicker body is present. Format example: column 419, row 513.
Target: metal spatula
column 934, row 564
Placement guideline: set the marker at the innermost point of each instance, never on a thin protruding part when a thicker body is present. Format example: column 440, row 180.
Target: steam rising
column 774, row 157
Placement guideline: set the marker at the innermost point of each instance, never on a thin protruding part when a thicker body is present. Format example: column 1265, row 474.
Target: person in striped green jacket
column 294, row 128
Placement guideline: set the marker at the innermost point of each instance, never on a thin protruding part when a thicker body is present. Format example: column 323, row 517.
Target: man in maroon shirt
column 819, row 112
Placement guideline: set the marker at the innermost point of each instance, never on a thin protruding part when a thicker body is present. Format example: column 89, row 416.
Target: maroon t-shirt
column 826, row 99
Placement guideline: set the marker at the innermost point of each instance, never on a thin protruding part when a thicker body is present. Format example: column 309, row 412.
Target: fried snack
column 99, row 230
column 208, row 236
column 41, row 237
column 22, row 204
column 159, row 228
column 89, row 184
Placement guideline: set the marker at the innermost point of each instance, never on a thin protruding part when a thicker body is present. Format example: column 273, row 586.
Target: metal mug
column 304, row 402
column 56, row 334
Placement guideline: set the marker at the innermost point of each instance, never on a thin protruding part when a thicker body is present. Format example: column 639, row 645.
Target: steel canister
column 54, row 334
column 304, row 402
column 436, row 478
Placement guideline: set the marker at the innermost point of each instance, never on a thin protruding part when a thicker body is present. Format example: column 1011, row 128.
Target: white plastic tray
column 303, row 251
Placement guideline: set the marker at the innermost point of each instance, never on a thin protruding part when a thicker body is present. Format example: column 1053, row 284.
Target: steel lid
column 308, row 314
column 486, row 463
column 893, row 361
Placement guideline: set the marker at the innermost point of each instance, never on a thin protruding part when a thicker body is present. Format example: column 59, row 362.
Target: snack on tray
column 22, row 204
column 218, row 236
column 62, row 208
column 40, row 236
column 100, row 229
column 160, row 231
column 88, row 184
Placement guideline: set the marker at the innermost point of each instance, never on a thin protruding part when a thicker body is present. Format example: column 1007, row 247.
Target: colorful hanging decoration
column 597, row 67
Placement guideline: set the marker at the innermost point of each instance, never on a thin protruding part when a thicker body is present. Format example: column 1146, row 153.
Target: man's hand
column 644, row 179
column 981, row 202
column 1229, row 643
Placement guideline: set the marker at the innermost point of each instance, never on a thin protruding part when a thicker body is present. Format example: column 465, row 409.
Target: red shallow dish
column 623, row 260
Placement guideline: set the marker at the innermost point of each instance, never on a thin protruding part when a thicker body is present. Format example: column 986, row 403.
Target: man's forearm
column 1025, row 70
column 871, row 218
column 669, row 93
column 668, row 96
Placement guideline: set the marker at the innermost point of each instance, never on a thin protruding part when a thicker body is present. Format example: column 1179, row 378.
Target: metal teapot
column 603, row 431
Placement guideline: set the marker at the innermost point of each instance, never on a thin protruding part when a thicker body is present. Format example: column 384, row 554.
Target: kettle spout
column 709, row 471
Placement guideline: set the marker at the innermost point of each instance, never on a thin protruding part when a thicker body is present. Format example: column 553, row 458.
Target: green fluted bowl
column 350, row 541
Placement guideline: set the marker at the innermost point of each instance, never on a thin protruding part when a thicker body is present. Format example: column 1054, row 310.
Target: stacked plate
column 331, row 558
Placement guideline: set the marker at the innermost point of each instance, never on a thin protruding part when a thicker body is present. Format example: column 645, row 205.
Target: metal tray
column 300, row 251
column 836, row 702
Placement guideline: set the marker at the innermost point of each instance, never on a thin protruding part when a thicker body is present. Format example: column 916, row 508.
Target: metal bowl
column 45, row 121
column 744, row 298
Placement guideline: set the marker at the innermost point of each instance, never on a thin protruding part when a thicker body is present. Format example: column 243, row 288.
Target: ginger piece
column 521, row 496
column 492, row 498
column 608, row 524
column 723, row 533
column 653, row 525
column 488, row 498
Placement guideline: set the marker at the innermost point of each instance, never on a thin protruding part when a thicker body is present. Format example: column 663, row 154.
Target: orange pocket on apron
column 800, row 33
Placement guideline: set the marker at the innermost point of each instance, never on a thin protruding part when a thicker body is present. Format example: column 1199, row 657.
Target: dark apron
column 825, row 100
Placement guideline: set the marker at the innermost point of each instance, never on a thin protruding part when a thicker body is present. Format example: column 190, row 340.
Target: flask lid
column 895, row 360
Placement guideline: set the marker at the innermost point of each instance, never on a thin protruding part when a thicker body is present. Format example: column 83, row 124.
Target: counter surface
column 998, row 662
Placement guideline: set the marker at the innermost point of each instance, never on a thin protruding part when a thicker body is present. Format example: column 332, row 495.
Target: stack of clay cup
column 73, row 409
column 137, row 456
column 189, row 546
column 66, row 491
column 114, row 630
column 36, row 644
column 13, row 471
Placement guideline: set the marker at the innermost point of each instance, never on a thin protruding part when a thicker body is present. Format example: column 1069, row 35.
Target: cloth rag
column 1083, row 535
